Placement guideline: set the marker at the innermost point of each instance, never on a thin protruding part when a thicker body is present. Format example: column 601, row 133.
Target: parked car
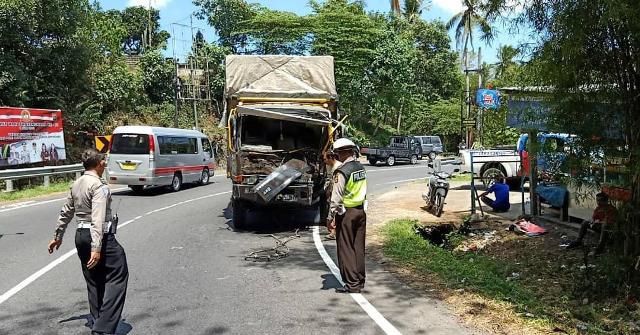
column 153, row 156
column 401, row 149
column 431, row 146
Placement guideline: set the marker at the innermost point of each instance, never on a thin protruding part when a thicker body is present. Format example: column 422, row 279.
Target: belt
column 83, row 225
column 357, row 207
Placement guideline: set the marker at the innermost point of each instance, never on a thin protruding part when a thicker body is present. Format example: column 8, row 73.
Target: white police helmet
column 343, row 143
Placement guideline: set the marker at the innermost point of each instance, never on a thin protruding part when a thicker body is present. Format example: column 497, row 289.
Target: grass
column 33, row 192
column 487, row 274
column 458, row 270
column 461, row 177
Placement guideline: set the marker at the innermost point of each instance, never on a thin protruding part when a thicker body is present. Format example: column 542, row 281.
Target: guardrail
column 10, row 175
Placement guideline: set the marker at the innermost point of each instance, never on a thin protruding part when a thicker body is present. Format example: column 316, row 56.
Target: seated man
column 501, row 192
column 604, row 216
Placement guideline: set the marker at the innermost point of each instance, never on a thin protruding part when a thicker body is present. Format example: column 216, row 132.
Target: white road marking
column 396, row 169
column 373, row 313
column 32, row 203
column 11, row 292
column 400, row 181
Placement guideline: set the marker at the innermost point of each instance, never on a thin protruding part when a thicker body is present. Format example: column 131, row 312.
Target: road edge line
column 373, row 313
column 12, row 291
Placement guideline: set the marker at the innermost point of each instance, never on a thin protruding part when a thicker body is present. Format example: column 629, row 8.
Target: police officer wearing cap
column 104, row 263
column 347, row 215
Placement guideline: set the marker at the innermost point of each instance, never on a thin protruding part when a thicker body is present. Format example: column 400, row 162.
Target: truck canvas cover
column 280, row 77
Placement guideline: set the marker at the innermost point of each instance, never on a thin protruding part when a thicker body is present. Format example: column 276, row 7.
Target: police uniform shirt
column 90, row 200
column 339, row 181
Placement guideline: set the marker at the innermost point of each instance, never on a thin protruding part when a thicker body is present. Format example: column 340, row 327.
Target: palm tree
column 395, row 7
column 411, row 10
column 506, row 54
column 469, row 19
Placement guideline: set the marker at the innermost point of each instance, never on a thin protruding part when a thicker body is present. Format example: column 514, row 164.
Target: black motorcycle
column 437, row 191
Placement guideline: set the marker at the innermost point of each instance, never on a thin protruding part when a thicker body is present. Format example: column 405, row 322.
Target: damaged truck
column 280, row 113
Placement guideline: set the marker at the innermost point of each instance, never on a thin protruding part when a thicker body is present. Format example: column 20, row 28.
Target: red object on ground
column 617, row 193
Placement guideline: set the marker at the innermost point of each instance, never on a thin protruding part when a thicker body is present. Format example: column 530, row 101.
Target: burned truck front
column 276, row 157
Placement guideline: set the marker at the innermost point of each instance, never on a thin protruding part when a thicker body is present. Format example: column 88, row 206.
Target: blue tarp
column 554, row 195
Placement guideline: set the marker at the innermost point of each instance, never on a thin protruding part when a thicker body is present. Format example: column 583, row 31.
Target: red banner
column 29, row 135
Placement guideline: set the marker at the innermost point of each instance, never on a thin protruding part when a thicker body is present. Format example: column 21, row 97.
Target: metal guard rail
column 14, row 174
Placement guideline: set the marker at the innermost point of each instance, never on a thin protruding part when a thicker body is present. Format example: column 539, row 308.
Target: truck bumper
column 292, row 196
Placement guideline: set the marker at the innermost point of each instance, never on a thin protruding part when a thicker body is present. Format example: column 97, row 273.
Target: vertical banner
column 29, row 135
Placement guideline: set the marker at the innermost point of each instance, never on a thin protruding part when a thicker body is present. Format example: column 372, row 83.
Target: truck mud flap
column 279, row 179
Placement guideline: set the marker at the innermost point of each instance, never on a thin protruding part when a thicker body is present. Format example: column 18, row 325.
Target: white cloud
column 450, row 6
column 157, row 4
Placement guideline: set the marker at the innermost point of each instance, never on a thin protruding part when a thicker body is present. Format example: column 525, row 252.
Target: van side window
column 426, row 140
column 206, row 147
column 172, row 145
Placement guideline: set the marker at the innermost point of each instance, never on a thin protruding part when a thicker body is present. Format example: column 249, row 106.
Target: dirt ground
column 539, row 261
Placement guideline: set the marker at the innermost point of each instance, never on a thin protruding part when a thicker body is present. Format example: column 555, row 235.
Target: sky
column 179, row 11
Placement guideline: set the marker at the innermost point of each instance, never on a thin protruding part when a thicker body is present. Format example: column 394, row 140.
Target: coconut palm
column 466, row 22
column 506, row 54
column 411, row 9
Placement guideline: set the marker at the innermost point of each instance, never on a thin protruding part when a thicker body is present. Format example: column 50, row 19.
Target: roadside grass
column 32, row 192
column 541, row 295
column 461, row 177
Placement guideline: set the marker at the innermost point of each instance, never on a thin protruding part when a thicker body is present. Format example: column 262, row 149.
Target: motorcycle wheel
column 439, row 205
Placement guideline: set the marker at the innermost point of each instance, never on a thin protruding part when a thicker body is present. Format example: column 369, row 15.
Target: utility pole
column 193, row 81
column 480, row 124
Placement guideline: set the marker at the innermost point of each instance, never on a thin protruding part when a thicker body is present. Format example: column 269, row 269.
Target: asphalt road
column 188, row 274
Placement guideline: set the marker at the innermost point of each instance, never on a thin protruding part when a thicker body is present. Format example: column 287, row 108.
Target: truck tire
column 373, row 162
column 239, row 214
column 391, row 160
column 491, row 174
column 414, row 159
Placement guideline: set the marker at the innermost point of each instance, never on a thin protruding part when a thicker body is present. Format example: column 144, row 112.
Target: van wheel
column 239, row 215
column 432, row 155
column 137, row 189
column 391, row 160
column 373, row 162
column 204, row 177
column 176, row 183
column 414, row 159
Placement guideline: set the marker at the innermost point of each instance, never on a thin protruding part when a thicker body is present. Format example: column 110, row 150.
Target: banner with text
column 29, row 135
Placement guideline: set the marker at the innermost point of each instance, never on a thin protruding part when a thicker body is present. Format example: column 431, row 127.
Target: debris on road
column 281, row 250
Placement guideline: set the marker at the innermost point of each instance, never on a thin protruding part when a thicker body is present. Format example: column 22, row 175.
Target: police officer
column 347, row 215
column 104, row 264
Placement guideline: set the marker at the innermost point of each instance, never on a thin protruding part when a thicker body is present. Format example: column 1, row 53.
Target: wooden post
column 533, row 170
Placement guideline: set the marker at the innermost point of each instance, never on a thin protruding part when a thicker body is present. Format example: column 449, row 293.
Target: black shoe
column 345, row 289
column 574, row 245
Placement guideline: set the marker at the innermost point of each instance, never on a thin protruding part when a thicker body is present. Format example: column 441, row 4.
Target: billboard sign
column 488, row 99
column 29, row 135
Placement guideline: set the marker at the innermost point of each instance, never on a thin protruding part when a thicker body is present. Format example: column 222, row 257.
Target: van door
column 427, row 147
column 208, row 156
column 437, row 144
column 129, row 154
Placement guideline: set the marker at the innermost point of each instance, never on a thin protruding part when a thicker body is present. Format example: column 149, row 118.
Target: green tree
column 136, row 21
column 157, row 74
column 470, row 19
column 228, row 17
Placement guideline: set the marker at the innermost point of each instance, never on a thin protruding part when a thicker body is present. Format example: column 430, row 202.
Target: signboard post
column 29, row 135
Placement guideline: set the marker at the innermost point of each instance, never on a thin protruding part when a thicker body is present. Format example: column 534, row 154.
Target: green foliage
column 115, row 86
column 136, row 21
column 441, row 117
column 227, row 17
column 496, row 131
column 157, row 77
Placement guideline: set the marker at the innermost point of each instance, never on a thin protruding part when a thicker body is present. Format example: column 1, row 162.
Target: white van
column 142, row 156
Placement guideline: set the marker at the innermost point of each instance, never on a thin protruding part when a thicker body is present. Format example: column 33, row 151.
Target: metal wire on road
column 281, row 250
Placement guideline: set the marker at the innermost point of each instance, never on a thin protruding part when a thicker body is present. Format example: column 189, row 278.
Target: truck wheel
column 432, row 155
column 137, row 189
column 176, row 183
column 414, row 159
column 491, row 174
column 373, row 162
column 239, row 215
column 391, row 161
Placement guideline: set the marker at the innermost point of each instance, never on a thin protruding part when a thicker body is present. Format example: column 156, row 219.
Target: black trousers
column 351, row 229
column 106, row 282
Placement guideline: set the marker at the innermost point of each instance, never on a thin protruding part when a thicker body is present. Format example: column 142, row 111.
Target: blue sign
column 488, row 99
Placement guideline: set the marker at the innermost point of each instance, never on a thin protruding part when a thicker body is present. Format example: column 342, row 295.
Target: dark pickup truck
column 401, row 149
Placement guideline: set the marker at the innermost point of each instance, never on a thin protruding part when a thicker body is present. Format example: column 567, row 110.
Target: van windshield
column 130, row 144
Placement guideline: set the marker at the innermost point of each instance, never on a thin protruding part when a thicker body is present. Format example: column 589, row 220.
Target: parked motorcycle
column 438, row 188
